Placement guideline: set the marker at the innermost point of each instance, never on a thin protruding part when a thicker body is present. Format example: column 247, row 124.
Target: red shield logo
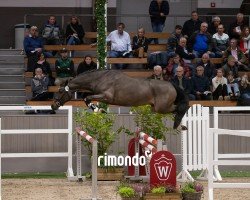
column 163, row 169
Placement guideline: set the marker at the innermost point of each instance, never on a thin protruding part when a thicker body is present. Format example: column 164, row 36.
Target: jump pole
column 94, row 162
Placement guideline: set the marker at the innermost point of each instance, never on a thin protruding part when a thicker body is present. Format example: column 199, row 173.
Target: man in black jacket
column 158, row 11
column 192, row 25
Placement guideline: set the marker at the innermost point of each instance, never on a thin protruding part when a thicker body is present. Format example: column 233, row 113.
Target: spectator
column 221, row 41
column 64, row 68
column 192, row 25
column 201, row 85
column 245, row 41
column 158, row 10
column 140, row 44
column 183, row 52
column 183, row 82
column 174, row 63
column 39, row 86
column 209, row 68
column 244, row 99
column 236, row 27
column 219, row 83
column 87, row 65
column 157, row 73
column 120, row 44
column 51, row 33
column 212, row 28
column 232, row 86
column 201, row 42
column 239, row 56
column 173, row 40
column 45, row 66
column 231, row 66
column 74, row 32
column 33, row 46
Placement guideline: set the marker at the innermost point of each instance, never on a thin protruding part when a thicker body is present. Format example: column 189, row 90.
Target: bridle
column 58, row 102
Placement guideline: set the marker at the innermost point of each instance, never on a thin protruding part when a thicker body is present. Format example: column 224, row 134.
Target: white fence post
column 194, row 142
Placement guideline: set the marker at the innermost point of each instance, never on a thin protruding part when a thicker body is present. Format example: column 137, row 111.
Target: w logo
column 163, row 168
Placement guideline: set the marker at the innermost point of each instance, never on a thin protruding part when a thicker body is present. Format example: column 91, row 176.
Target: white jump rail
column 94, row 155
column 67, row 131
column 214, row 161
column 216, row 125
column 194, row 142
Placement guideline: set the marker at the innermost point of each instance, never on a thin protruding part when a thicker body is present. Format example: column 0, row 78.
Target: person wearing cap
column 64, row 67
column 33, row 45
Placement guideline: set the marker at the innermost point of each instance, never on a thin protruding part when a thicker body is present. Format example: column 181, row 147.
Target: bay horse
column 116, row 88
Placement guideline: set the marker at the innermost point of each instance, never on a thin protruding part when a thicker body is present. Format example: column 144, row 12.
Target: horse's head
column 63, row 96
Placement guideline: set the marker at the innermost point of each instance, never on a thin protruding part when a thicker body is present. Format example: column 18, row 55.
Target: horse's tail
column 182, row 105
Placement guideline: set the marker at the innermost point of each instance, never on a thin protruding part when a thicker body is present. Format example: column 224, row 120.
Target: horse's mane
column 98, row 70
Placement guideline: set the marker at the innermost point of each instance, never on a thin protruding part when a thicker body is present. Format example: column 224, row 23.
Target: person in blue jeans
column 158, row 10
column 120, row 44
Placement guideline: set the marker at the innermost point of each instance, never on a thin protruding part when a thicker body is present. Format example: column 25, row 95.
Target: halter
column 58, row 102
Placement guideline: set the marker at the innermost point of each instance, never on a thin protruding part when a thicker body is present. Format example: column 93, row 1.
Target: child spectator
column 86, row 65
column 39, row 86
column 45, row 66
column 219, row 83
column 140, row 44
column 201, row 85
column 232, row 86
column 74, row 32
column 64, row 67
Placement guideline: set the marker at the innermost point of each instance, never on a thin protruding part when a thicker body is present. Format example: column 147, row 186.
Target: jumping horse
column 116, row 88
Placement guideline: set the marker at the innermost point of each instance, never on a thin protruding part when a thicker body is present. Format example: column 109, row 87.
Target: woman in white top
column 219, row 83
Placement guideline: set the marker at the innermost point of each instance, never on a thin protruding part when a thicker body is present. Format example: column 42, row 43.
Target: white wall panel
column 220, row 3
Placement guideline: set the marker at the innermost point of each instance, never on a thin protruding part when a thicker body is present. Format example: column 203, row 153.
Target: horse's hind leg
column 180, row 112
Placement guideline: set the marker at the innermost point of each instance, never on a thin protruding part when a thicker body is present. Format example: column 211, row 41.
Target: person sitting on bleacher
column 45, row 66
column 233, row 87
column 174, row 62
column 236, row 27
column 239, row 56
column 231, row 66
column 213, row 26
column 183, row 82
column 64, row 68
column 221, row 41
column 244, row 99
column 219, row 83
column 74, row 32
column 201, row 42
column 173, row 40
column 39, row 86
column 140, row 44
column 191, row 25
column 209, row 68
column 201, row 85
column 245, row 41
column 51, row 33
column 86, row 65
column 33, row 46
column 158, row 74
column 120, row 44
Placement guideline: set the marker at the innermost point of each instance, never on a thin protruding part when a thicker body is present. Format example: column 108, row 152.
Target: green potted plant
column 151, row 122
column 191, row 191
column 132, row 191
column 100, row 127
column 163, row 192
